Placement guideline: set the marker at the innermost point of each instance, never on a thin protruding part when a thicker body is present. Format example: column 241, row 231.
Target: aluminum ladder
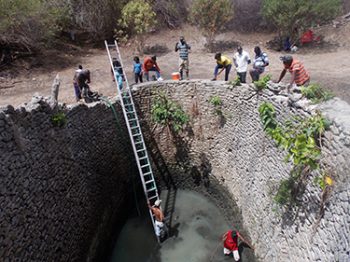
column 134, row 129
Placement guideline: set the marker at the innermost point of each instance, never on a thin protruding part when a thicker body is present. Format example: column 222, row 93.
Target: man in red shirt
column 230, row 239
column 299, row 75
column 150, row 64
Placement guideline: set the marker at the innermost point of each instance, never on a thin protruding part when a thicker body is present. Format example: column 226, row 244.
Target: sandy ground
column 329, row 66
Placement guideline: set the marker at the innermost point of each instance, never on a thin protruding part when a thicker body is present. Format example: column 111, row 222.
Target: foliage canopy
column 137, row 19
column 291, row 16
column 211, row 16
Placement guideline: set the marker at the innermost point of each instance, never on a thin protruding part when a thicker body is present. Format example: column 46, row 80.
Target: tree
column 293, row 17
column 29, row 24
column 211, row 16
column 138, row 18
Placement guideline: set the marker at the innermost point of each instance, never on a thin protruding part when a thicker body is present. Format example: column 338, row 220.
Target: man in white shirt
column 241, row 60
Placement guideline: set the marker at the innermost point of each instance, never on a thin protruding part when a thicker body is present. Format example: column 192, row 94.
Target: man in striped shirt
column 183, row 49
column 300, row 76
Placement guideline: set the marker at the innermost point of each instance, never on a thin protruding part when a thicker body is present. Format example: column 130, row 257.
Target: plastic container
column 175, row 76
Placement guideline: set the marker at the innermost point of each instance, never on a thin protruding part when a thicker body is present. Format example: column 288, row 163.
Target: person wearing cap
column 150, row 64
column 261, row 61
column 161, row 228
column 241, row 60
column 223, row 63
column 299, row 75
column 230, row 240
column 183, row 49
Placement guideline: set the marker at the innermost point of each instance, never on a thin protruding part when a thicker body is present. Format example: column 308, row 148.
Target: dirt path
column 329, row 67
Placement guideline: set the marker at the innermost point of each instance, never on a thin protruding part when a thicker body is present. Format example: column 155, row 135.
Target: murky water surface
column 195, row 234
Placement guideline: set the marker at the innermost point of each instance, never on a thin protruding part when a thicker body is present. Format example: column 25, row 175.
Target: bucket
column 175, row 76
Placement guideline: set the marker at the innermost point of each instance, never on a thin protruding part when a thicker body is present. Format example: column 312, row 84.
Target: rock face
column 61, row 187
column 234, row 149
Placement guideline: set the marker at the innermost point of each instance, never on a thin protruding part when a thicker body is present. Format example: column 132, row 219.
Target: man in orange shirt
column 150, row 64
column 300, row 76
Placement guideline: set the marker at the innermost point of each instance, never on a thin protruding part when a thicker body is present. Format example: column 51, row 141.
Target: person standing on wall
column 241, row 60
column 150, row 64
column 161, row 228
column 223, row 63
column 299, row 75
column 230, row 241
column 184, row 63
column 77, row 89
column 260, row 62
column 137, row 70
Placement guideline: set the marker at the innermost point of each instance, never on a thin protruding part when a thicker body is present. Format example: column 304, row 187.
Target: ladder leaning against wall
column 134, row 129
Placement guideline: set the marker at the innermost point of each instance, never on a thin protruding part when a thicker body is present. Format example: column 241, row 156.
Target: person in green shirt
column 223, row 63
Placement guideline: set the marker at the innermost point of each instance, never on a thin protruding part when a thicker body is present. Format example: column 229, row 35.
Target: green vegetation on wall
column 168, row 113
column 59, row 119
column 216, row 101
column 316, row 93
column 262, row 83
column 301, row 139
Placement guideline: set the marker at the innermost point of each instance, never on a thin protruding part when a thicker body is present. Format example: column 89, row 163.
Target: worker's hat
column 157, row 203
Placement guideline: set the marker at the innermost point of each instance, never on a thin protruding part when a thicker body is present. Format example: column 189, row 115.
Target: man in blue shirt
column 260, row 62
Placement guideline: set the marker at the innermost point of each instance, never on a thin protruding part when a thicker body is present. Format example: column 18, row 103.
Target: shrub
column 168, row 113
column 289, row 16
column 217, row 103
column 30, row 24
column 301, row 139
column 262, row 83
column 137, row 19
column 59, row 119
column 235, row 82
column 316, row 93
column 211, row 16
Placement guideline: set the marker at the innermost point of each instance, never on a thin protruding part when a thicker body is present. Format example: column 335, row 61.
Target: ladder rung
column 153, row 197
column 151, row 189
column 140, row 142
column 147, row 174
column 140, row 150
column 133, row 119
column 145, row 166
column 135, row 135
column 135, row 127
column 111, row 45
column 128, row 104
column 150, row 181
column 142, row 158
